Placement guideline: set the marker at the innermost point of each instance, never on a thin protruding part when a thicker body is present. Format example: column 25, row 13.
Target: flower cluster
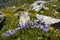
column 10, row 32
column 33, row 23
column 37, row 24
column 42, row 25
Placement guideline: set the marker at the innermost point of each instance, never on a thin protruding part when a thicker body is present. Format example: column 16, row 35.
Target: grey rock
column 47, row 19
column 23, row 18
column 37, row 5
column 2, row 20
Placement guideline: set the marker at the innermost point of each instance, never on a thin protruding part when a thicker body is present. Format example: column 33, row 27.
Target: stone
column 2, row 20
column 47, row 19
column 23, row 18
column 1, row 17
column 56, row 25
column 37, row 5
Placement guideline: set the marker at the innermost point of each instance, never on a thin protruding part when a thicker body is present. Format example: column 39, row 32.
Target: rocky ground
column 31, row 32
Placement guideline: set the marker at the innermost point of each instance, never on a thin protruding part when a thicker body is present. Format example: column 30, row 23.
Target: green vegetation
column 28, row 33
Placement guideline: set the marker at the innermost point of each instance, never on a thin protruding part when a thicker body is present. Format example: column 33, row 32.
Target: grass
column 27, row 33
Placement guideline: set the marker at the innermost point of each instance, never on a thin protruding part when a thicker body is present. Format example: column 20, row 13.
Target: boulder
column 37, row 5
column 51, row 21
column 2, row 20
column 23, row 18
column 56, row 25
column 47, row 19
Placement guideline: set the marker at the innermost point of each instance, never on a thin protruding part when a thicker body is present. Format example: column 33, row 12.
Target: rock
column 56, row 25
column 2, row 20
column 23, row 18
column 37, row 5
column 47, row 19
column 1, row 17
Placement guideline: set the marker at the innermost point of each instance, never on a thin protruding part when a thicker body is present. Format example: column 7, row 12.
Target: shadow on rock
column 56, row 25
column 2, row 23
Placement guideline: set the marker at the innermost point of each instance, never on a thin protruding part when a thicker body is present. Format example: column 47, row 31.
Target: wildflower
column 27, row 24
column 39, row 17
column 43, row 21
column 17, row 28
column 46, row 26
column 41, row 26
column 37, row 21
column 5, row 35
column 21, row 26
column 11, row 32
column 51, row 28
column 37, row 26
column 46, row 29
column 18, row 25
column 32, row 23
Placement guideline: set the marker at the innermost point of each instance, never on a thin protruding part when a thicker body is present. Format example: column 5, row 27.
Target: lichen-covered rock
column 1, row 17
column 47, row 19
column 23, row 18
column 2, row 20
column 37, row 5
